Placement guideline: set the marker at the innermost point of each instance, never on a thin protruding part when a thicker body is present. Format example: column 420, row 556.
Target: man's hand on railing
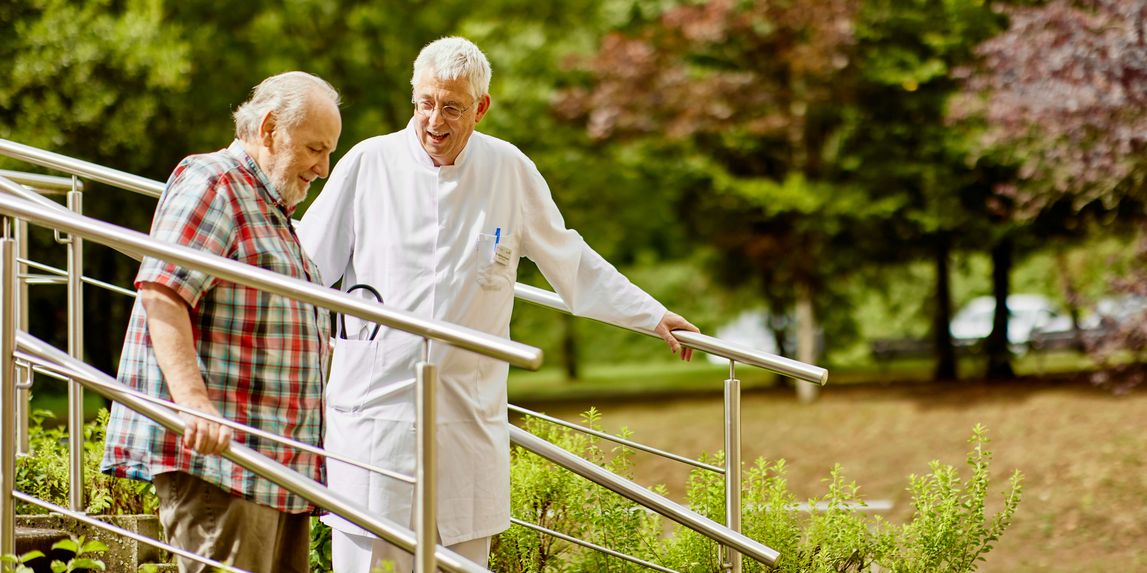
column 670, row 322
column 205, row 436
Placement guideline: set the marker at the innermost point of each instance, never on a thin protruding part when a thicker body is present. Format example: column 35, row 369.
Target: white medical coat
column 423, row 236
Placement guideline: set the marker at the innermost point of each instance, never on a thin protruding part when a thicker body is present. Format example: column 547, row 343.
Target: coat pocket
column 354, row 366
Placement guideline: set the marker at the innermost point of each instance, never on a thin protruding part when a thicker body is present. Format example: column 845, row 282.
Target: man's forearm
column 169, row 326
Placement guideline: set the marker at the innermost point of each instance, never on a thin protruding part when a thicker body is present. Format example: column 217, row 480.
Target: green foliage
column 320, row 557
column 18, row 564
column 87, row 77
column 562, row 502
column 949, row 531
column 84, row 557
column 44, row 473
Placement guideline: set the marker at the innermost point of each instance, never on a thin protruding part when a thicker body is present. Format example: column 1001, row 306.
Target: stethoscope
column 342, row 317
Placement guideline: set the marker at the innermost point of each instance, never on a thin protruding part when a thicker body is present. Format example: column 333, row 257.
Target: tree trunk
column 569, row 347
column 942, row 316
column 996, row 346
column 806, row 341
column 1071, row 294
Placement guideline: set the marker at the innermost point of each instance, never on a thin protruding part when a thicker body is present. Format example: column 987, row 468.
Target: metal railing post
column 732, row 464
column 23, row 383
column 76, row 350
column 7, row 394
column 426, row 486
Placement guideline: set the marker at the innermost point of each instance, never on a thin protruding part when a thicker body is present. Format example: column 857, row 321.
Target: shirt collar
column 423, row 158
column 239, row 152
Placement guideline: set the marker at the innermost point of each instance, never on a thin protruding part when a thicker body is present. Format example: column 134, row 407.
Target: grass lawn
column 620, row 381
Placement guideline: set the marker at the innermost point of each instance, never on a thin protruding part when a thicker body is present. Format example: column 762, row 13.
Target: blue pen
column 497, row 236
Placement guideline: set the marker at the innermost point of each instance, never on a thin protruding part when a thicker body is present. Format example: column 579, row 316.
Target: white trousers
column 359, row 553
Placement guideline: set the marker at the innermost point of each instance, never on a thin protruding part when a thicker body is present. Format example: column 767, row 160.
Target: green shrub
column 44, row 473
column 949, row 531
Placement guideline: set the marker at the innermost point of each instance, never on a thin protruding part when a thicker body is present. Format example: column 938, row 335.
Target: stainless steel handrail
column 594, row 546
column 616, row 439
column 82, row 518
column 657, row 503
column 64, row 275
column 261, row 465
column 41, row 182
column 42, row 367
column 515, row 353
column 736, row 352
column 82, row 168
column 153, row 188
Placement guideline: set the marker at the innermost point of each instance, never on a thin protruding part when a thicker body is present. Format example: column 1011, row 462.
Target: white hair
column 452, row 58
column 285, row 95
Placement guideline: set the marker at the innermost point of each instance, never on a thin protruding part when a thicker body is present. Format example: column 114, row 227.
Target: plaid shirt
column 261, row 356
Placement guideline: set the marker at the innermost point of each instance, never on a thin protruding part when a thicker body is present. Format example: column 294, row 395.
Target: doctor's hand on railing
column 205, row 436
column 670, row 322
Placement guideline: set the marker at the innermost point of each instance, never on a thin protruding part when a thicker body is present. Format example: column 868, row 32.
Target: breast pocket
column 497, row 261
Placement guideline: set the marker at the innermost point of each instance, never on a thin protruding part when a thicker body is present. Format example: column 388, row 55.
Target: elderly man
column 230, row 350
column 435, row 218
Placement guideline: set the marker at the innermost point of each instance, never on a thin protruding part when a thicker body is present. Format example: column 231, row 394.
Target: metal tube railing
column 81, row 168
column 732, row 399
column 594, row 546
column 732, row 464
column 426, row 484
column 632, row 491
column 515, row 353
column 7, row 393
column 39, row 366
column 616, row 439
column 41, row 182
column 82, row 518
column 736, row 352
column 258, row 463
column 23, row 393
column 64, row 275
column 75, row 246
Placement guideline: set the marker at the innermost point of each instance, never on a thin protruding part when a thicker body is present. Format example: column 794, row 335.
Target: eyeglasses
column 427, row 107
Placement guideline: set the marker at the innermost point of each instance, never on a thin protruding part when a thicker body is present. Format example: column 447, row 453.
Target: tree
column 757, row 135
column 90, row 79
column 1063, row 93
column 905, row 153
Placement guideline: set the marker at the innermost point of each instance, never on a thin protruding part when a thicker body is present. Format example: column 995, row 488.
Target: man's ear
column 267, row 130
column 483, row 107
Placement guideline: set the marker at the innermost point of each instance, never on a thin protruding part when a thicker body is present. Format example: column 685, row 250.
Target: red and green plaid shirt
column 262, row 356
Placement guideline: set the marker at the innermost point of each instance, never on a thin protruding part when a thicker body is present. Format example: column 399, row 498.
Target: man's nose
column 323, row 168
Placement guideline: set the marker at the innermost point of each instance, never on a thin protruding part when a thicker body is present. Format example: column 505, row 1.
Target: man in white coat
column 435, row 218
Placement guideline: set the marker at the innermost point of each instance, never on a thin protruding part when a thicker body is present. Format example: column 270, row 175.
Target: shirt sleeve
column 194, row 211
column 327, row 229
column 588, row 284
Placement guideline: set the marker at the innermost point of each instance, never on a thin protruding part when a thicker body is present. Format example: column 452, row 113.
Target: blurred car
column 1027, row 314
column 1113, row 311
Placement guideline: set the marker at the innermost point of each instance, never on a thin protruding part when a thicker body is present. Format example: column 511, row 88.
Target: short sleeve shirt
column 262, row 356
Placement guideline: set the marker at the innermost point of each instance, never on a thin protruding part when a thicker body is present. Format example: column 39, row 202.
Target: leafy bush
column 44, row 473
column 949, row 531
column 83, row 557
